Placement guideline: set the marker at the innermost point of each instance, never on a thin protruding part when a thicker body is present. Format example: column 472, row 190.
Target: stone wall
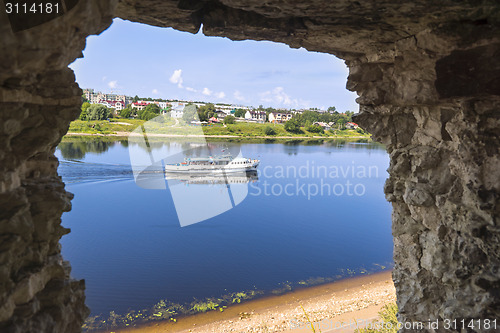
column 442, row 132
column 437, row 110
column 427, row 76
column 38, row 99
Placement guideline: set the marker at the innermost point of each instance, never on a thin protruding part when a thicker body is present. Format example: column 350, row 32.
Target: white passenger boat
column 222, row 164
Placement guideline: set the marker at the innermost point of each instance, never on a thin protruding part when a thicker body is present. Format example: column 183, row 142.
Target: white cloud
column 206, row 91
column 238, row 96
column 177, row 78
column 278, row 96
column 281, row 97
column 104, row 78
column 112, row 84
column 220, row 95
column 266, row 97
column 191, row 89
column 155, row 91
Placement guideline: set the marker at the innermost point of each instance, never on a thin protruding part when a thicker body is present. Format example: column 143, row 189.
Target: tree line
column 95, row 112
column 307, row 119
column 101, row 112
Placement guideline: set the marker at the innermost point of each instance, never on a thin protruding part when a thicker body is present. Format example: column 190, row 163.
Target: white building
column 105, row 103
column 95, row 97
column 176, row 104
column 229, row 108
column 325, row 126
column 221, row 114
column 178, row 111
column 278, row 117
column 88, row 93
column 147, row 102
column 118, row 105
column 139, row 105
column 255, row 115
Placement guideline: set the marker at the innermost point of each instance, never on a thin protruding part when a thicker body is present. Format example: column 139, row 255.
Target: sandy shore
column 327, row 305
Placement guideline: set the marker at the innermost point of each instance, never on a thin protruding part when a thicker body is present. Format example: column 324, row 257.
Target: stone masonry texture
column 428, row 78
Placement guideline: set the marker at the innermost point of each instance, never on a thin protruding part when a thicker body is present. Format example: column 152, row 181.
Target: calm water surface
column 126, row 242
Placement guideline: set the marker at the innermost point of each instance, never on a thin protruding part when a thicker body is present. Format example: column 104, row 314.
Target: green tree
column 190, row 113
column 326, row 117
column 239, row 113
column 84, row 113
column 269, row 130
column 292, row 126
column 332, row 109
column 149, row 112
column 146, row 114
column 127, row 112
column 97, row 112
column 152, row 108
column 315, row 129
column 229, row 120
column 206, row 112
column 341, row 122
column 308, row 117
column 135, row 99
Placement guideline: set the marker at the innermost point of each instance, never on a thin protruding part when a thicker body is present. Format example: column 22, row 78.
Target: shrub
column 315, row 129
column 190, row 113
column 152, row 108
column 360, row 130
column 126, row 113
column 388, row 316
column 292, row 126
column 229, row 120
column 97, row 112
column 146, row 114
column 269, row 130
column 84, row 113
column 239, row 113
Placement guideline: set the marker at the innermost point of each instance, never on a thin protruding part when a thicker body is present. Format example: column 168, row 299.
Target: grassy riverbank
column 123, row 127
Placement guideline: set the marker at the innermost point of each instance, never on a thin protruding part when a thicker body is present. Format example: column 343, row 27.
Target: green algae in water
column 165, row 310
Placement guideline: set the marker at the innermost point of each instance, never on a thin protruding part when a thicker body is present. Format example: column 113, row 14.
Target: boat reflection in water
column 201, row 196
column 214, row 178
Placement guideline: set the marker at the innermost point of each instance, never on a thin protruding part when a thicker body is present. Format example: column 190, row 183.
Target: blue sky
column 136, row 59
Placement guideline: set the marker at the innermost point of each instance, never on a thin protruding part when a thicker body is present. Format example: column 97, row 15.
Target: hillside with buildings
column 128, row 107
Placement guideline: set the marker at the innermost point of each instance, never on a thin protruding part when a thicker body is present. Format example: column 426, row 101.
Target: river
column 314, row 213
